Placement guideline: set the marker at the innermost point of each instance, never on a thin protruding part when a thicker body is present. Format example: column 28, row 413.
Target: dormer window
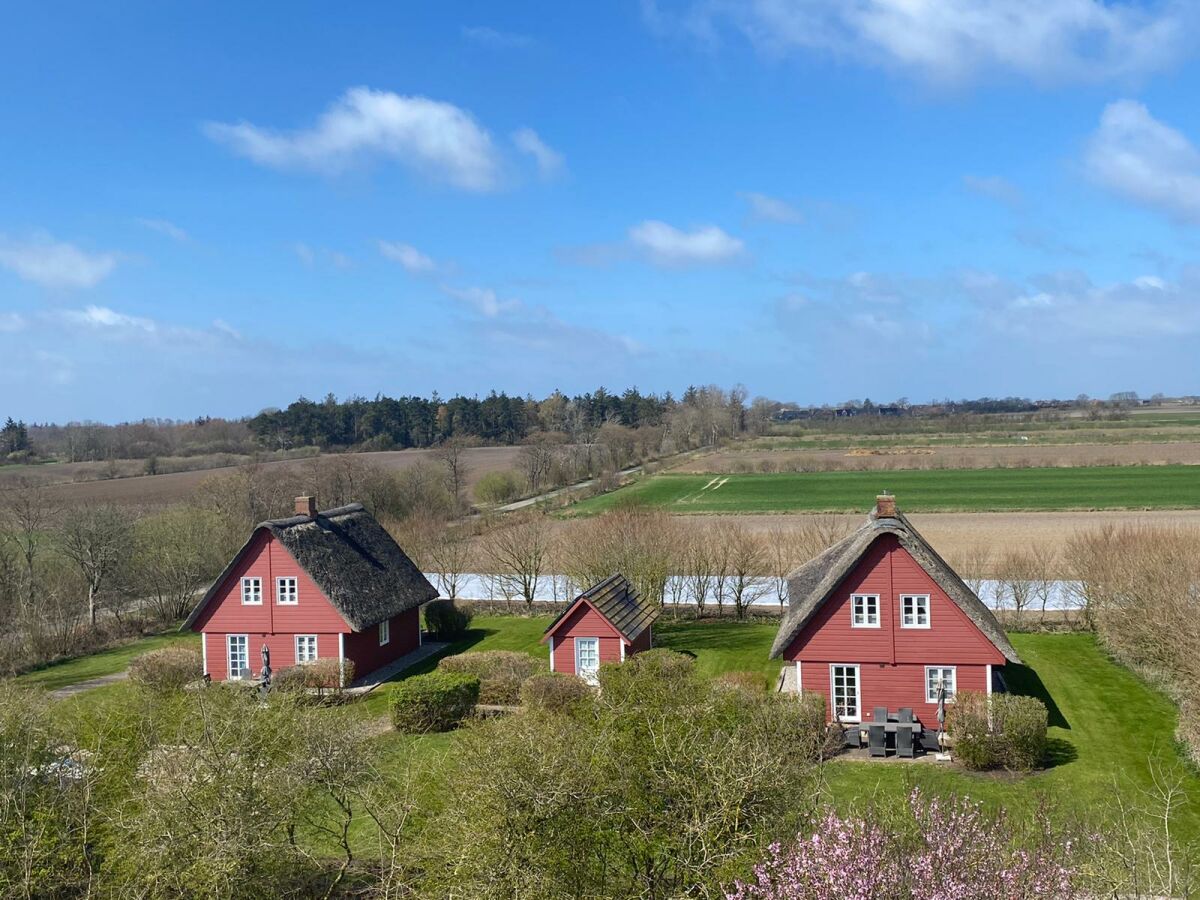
column 864, row 610
column 914, row 610
column 252, row 592
column 285, row 592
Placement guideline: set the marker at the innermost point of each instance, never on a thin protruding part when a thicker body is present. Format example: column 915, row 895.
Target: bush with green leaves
column 322, row 678
column 1000, row 730
column 445, row 620
column 495, row 488
column 168, row 669
column 501, row 673
column 438, row 701
column 554, row 692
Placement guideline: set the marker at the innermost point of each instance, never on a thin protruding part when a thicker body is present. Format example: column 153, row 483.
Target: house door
column 239, row 655
column 587, row 658
column 843, row 691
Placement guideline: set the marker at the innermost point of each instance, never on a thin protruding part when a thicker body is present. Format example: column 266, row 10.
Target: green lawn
column 1101, row 487
column 106, row 662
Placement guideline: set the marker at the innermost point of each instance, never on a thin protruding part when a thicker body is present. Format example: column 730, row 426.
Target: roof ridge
column 289, row 521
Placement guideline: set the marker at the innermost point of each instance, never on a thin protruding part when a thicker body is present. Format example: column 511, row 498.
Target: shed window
column 385, row 632
column 943, row 674
column 306, row 648
column 914, row 610
column 864, row 610
column 285, row 591
column 252, row 591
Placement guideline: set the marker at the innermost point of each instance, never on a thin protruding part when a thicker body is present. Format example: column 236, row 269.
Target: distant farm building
column 604, row 624
column 316, row 585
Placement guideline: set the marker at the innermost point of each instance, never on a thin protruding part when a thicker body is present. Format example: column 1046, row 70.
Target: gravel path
column 80, row 686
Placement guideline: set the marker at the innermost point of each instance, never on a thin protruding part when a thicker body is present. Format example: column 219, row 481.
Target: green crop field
column 1100, row 487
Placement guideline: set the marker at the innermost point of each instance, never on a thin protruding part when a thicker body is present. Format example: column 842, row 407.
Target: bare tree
column 451, row 453
column 698, row 556
column 449, row 556
column 27, row 515
column 748, row 562
column 720, row 557
column 99, row 540
column 642, row 544
column 1043, row 567
column 1016, row 581
column 519, row 553
column 175, row 558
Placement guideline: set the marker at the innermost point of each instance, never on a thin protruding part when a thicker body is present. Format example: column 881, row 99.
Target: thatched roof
column 616, row 600
column 815, row 581
column 353, row 560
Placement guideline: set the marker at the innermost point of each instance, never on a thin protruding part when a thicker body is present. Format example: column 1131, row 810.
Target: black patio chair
column 904, row 742
column 877, row 739
column 880, row 715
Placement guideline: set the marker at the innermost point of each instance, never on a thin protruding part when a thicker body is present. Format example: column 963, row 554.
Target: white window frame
column 293, row 594
column 244, row 639
column 855, row 599
column 251, row 587
column 385, row 632
column 589, row 676
column 833, row 706
column 931, row 690
column 304, row 639
column 904, row 613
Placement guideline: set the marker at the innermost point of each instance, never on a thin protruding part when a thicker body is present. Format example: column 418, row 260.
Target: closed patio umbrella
column 941, row 710
column 265, row 674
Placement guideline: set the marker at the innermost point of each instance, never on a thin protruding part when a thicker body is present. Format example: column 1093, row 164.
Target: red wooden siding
column 891, row 686
column 363, row 646
column 891, row 658
column 584, row 621
column 283, row 650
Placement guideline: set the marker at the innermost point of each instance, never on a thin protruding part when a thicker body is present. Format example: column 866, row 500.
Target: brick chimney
column 306, row 506
column 885, row 506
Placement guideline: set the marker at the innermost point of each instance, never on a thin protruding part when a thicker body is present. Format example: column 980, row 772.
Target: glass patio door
column 843, row 685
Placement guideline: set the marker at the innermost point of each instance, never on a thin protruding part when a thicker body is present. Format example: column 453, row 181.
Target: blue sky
column 217, row 207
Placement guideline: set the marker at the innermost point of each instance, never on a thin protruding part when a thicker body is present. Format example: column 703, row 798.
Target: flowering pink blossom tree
column 949, row 850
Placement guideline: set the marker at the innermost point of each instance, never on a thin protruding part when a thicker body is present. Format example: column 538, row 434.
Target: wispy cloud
column 54, row 264
column 310, row 256
column 549, row 161
column 995, row 188
column 496, row 39
column 431, row 136
column 101, row 317
column 11, row 322
column 954, row 41
column 666, row 245
column 771, row 209
column 409, row 257
column 483, row 301
column 162, row 226
column 1137, row 157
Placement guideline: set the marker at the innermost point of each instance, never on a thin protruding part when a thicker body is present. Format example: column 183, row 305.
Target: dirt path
column 79, row 687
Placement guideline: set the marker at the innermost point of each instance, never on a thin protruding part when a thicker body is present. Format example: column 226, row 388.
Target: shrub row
column 438, row 701
column 500, row 672
column 168, row 669
column 1014, row 738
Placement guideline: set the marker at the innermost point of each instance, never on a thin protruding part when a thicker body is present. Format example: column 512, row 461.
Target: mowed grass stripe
column 1100, row 487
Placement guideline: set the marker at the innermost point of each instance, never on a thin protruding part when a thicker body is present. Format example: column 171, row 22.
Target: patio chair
column 877, row 739
column 904, row 742
column 880, row 715
column 905, row 714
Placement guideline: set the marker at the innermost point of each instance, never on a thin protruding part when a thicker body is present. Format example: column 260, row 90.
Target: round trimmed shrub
column 438, row 701
column 1020, row 723
column 554, row 692
column 445, row 620
column 168, row 669
column 501, row 673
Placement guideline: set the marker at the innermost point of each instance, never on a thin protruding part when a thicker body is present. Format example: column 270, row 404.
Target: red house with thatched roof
column 878, row 620
column 604, row 624
column 316, row 585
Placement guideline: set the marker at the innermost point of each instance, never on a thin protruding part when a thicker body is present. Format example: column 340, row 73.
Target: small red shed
column 604, row 624
column 879, row 619
column 316, row 585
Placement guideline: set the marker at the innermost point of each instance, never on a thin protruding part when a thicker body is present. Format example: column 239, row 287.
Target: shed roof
column 616, row 600
column 356, row 564
column 812, row 584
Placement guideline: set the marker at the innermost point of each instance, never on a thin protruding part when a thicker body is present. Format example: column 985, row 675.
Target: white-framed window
column 385, row 632
column 587, row 658
column 238, row 653
column 943, row 674
column 864, row 610
column 252, row 592
column 843, row 689
column 306, row 648
column 914, row 610
column 285, row 592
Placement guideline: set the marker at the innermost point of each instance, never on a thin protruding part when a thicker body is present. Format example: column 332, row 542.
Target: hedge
column 501, row 673
column 438, row 701
column 553, row 691
column 446, row 620
column 168, row 669
column 1013, row 737
column 319, row 677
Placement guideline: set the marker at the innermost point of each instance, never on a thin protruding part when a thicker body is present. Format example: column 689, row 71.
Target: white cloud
column 549, row 161
column 496, row 39
column 484, row 301
column 771, row 209
column 995, row 188
column 101, row 317
column 413, row 260
column 11, row 322
column 667, row 245
column 162, row 226
column 952, row 41
column 1139, row 158
column 55, row 264
column 431, row 136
